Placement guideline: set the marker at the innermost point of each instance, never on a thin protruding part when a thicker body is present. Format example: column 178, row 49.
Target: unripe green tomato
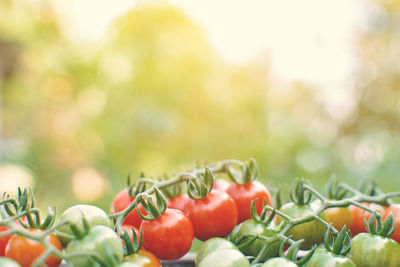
column 369, row 250
column 325, row 258
column 128, row 264
column 93, row 215
column 253, row 249
column 226, row 257
column 312, row 232
column 279, row 262
column 97, row 237
column 211, row 245
column 6, row 262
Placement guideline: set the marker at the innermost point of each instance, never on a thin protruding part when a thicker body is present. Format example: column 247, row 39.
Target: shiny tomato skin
column 212, row 216
column 325, row 258
column 395, row 210
column 25, row 251
column 168, row 237
column 178, row 202
column 369, row 250
column 357, row 225
column 120, row 202
column 312, row 232
column 3, row 240
column 221, row 184
column 143, row 258
column 244, row 194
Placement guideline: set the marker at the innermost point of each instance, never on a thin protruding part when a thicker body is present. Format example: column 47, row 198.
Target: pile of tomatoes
column 234, row 219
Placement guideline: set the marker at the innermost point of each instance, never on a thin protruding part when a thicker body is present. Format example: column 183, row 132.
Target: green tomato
column 128, row 264
column 312, row 232
column 211, row 245
column 325, row 258
column 224, row 257
column 6, row 262
column 253, row 249
column 373, row 250
column 279, row 262
column 93, row 215
column 95, row 240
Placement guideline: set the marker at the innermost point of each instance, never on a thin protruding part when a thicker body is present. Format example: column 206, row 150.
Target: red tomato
column 143, row 258
column 168, row 237
column 120, row 202
column 244, row 194
column 25, row 251
column 221, row 184
column 178, row 202
column 357, row 225
column 212, row 216
column 395, row 210
column 3, row 240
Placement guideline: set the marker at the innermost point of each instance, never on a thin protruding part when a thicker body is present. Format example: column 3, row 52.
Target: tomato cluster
column 235, row 220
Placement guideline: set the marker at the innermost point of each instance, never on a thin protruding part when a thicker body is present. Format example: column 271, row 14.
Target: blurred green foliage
column 155, row 97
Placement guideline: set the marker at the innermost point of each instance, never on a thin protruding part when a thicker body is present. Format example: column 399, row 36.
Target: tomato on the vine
column 25, row 251
column 96, row 240
column 169, row 236
column 312, row 232
column 121, row 201
column 3, row 240
column 74, row 215
column 244, row 194
column 357, row 214
column 143, row 258
column 212, row 216
column 254, row 248
column 178, row 202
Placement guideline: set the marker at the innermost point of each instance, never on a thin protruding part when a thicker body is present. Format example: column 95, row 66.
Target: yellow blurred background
column 93, row 90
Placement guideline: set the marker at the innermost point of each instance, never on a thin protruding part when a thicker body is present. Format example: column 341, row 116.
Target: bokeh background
column 93, row 90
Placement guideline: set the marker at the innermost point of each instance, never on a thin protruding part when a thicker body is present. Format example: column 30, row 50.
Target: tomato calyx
column 267, row 215
column 337, row 243
column 140, row 186
column 382, row 228
column 198, row 188
column 132, row 245
column 299, row 195
column 171, row 191
column 292, row 252
column 248, row 172
column 154, row 210
column 333, row 190
column 80, row 234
